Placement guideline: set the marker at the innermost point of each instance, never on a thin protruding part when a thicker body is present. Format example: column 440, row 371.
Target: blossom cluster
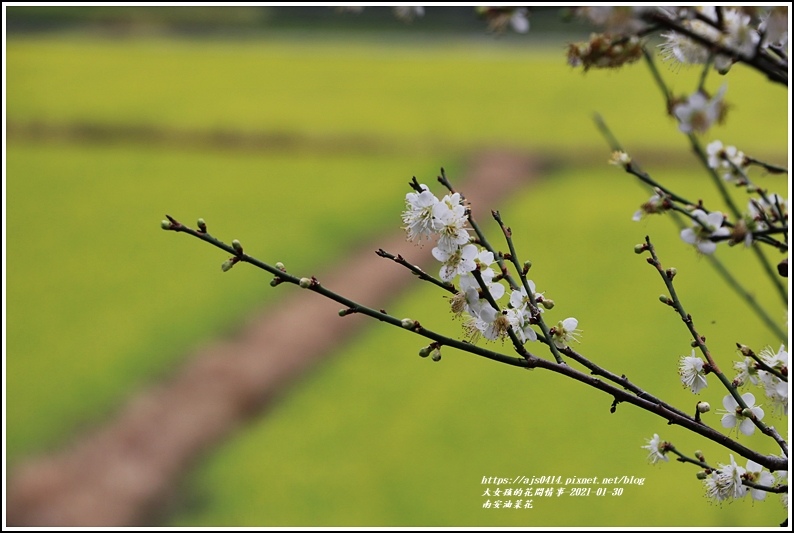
column 733, row 29
column 446, row 219
column 726, row 482
column 771, row 381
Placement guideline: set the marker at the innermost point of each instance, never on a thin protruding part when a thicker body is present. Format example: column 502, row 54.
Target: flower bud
column 745, row 350
column 165, row 224
column 699, row 455
column 527, row 266
column 202, row 226
column 639, row 248
column 702, row 475
column 548, row 303
column 671, row 272
column 436, row 356
column 703, row 407
column 664, row 299
column 619, row 158
column 305, row 283
column 275, row 282
column 280, row 266
column 228, row 264
column 237, row 246
column 424, row 352
column 408, row 323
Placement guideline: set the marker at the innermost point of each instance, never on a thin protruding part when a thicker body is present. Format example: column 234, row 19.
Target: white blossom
column 757, row 475
column 691, row 372
column 418, row 215
column 726, row 160
column 700, row 235
column 699, row 112
column 519, row 21
column 680, row 48
column 519, row 319
column 458, row 261
column 656, row 450
column 739, row 36
column 726, row 482
column 655, row 204
column 565, row 331
column 450, row 217
column 735, row 418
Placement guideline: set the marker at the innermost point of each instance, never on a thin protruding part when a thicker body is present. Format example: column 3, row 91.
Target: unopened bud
column 548, row 303
column 664, row 299
column 702, row 475
column 408, row 323
column 699, row 455
column 280, row 266
column 237, row 246
column 305, row 283
column 275, row 282
column 436, row 356
column 619, row 158
column 639, row 248
column 424, row 352
column 165, row 224
column 228, row 264
column 527, row 266
column 704, row 407
column 693, row 344
column 202, row 226
column 671, row 272
column 745, row 350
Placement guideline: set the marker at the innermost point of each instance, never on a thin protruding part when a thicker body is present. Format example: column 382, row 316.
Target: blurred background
column 296, row 130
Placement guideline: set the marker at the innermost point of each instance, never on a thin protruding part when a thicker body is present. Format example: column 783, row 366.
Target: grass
column 415, row 97
column 101, row 301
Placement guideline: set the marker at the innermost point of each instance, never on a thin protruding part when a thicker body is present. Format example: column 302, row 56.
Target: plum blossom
column 709, row 226
column 692, row 374
column 564, row 332
column 655, row 204
column 726, row 482
column 457, row 261
column 734, row 416
column 487, row 322
column 418, row 215
column 656, row 450
column 769, row 207
column 726, row 160
column 520, row 320
column 519, row 299
column 699, row 112
column 739, row 36
column 776, row 389
column 755, row 473
column 680, row 48
column 747, row 371
column 468, row 281
column 450, row 219
column 774, row 26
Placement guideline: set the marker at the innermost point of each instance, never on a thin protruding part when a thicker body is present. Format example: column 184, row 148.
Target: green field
column 101, row 302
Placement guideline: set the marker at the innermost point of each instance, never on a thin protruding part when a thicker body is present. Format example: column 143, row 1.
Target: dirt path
column 121, row 474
